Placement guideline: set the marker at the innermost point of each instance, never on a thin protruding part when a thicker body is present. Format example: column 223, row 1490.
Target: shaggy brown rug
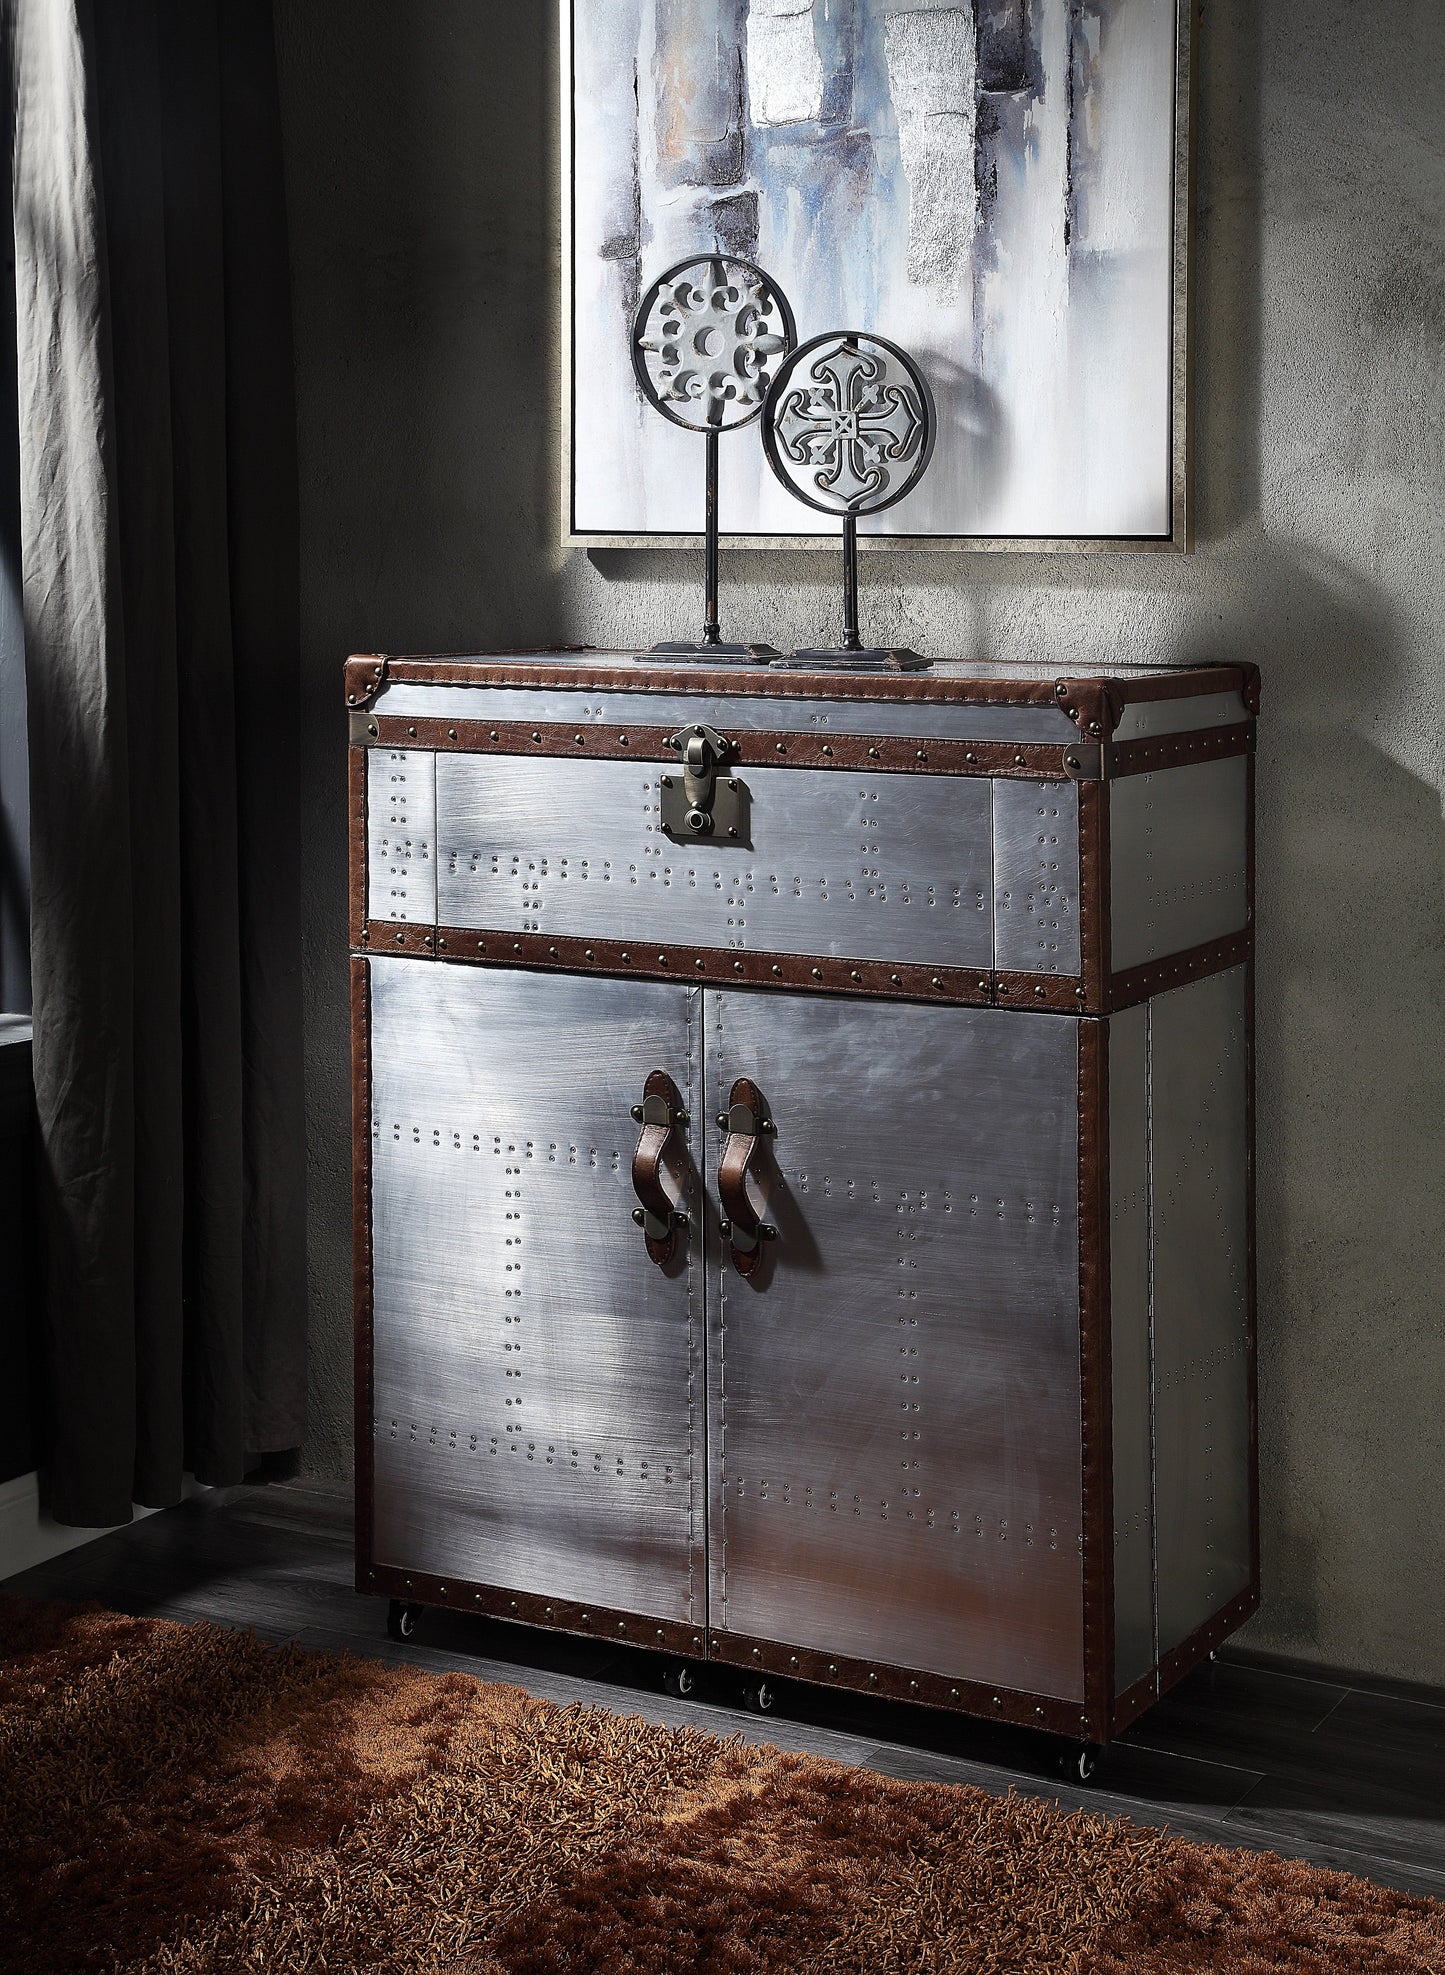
column 176, row 1798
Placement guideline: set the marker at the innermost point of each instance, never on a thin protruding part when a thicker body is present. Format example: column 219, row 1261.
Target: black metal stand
column 851, row 655
column 712, row 645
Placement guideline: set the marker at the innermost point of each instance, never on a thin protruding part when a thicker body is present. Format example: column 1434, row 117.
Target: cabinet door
column 535, row 1371
column 894, row 1411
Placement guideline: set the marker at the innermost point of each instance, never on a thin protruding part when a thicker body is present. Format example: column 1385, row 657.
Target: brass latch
column 701, row 801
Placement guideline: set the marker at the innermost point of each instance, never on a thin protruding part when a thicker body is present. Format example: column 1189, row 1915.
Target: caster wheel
column 1080, row 1762
column 679, row 1681
column 401, row 1620
column 759, row 1697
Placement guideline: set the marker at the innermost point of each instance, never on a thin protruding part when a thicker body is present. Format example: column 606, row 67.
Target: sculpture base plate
column 840, row 659
column 720, row 654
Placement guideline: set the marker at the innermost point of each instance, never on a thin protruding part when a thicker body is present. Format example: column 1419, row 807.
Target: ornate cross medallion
column 848, row 424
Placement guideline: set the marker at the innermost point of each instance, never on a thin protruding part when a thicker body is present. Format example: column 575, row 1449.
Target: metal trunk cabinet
column 803, row 1186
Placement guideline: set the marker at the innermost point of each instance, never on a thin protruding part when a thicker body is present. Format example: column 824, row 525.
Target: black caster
column 401, row 1620
column 1080, row 1762
column 760, row 1697
column 679, row 1681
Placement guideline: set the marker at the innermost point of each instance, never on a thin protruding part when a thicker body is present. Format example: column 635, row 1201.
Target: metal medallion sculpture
column 849, row 428
column 705, row 345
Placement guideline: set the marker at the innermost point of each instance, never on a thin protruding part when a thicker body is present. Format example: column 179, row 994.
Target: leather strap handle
column 662, row 1116
column 747, row 1124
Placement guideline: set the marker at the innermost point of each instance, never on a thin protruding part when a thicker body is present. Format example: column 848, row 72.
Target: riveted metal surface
column 894, row 1420
column 537, row 1417
column 1199, row 1181
column 733, row 712
column 853, row 866
column 1036, row 877
column 1178, row 874
column 1134, row 1647
column 1145, row 718
column 401, row 871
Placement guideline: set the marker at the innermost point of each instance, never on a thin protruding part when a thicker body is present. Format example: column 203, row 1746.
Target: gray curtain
column 159, row 532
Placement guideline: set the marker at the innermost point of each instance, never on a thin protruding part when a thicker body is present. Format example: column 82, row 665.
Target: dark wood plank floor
column 1239, row 1755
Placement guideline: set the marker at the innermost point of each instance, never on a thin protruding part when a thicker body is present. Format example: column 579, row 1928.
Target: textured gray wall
column 421, row 146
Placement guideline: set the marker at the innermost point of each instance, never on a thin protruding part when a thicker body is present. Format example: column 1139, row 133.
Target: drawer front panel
column 855, row 866
column 894, row 1413
column 535, row 1374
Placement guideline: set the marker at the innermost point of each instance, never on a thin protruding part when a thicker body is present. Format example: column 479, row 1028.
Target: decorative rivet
column 662, row 959
column 667, row 781
column 552, row 952
column 855, row 975
column 514, row 1604
column 638, row 1216
column 722, row 1121
column 451, row 733
column 983, row 987
column 579, row 740
column 737, row 966
column 365, row 935
column 546, row 1611
column 1094, row 727
column 627, row 956
column 817, row 973
column 622, row 740
column 587, row 953
column 913, row 1686
column 873, row 1680
column 778, row 748
column 792, row 1659
column 833, row 1670
column 895, row 980
column 923, row 754
column 637, row 1113
column 585, row 1619
column 372, row 728
column 873, row 754
column 493, row 735
column 777, row 969
column 481, row 946
column 621, row 1625
column 536, row 736
column 1020, row 761
column 1078, row 994
column 442, row 944
column 972, row 759
column 953, row 1693
column 757, row 1652
column 516, row 946
column 826, row 748
column 412, row 732
column 937, row 982
column 400, row 939
column 997, row 1702
column 1040, row 992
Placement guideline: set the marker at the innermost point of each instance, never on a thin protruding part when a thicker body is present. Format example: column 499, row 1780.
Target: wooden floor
column 1349, row 1776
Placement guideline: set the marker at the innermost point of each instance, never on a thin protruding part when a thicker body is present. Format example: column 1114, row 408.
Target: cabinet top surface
column 1019, row 682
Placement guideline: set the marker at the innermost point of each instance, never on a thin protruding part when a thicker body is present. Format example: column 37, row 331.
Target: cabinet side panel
column 537, row 1409
column 894, row 1410
column 1199, row 1181
column 1036, row 877
column 1179, row 865
column 401, row 813
column 1134, row 1649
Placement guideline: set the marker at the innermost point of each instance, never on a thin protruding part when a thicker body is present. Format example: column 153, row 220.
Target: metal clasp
column 700, row 802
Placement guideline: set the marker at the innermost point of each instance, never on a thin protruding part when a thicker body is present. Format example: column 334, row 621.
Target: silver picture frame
column 1179, row 534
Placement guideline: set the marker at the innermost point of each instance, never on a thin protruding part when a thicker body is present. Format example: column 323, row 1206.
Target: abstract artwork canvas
column 1001, row 186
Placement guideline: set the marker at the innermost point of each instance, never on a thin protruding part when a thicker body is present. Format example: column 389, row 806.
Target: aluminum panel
column 1178, row 874
column 1148, row 717
column 1130, row 1347
column 888, row 867
column 894, row 1421
column 1199, row 1178
column 534, row 1373
column 744, row 713
column 1036, row 877
column 401, row 872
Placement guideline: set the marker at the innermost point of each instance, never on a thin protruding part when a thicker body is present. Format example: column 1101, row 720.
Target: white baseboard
column 28, row 1536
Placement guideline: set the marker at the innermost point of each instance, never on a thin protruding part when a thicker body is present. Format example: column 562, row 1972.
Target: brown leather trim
column 366, row 674
column 656, row 676
column 1147, row 757
column 386, row 936
column 588, row 1621
column 1096, row 1373
column 1094, row 705
column 884, row 979
column 1094, row 893
column 878, row 754
column 1251, row 1283
column 1187, row 682
column 1134, row 1701
column 1178, row 969
column 361, row 1276
column 356, row 846
column 1064, row 993
column 902, row 1683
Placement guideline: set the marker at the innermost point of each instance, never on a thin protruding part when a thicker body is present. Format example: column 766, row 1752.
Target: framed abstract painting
column 1001, row 186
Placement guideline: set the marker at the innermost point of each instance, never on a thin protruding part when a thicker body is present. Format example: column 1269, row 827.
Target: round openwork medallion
column 850, row 423
column 707, row 339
